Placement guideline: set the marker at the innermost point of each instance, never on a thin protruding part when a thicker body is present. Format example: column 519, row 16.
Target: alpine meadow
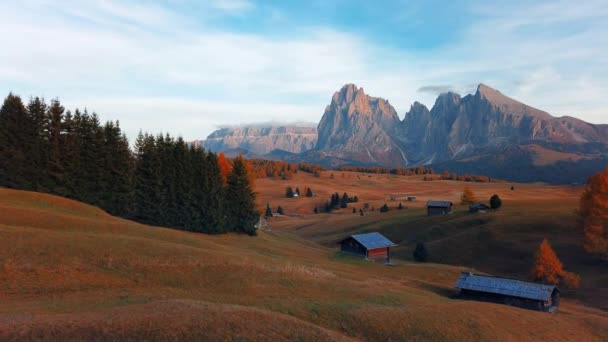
column 215, row 171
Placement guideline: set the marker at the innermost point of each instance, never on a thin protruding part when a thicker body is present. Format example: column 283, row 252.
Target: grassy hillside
column 69, row 270
column 501, row 243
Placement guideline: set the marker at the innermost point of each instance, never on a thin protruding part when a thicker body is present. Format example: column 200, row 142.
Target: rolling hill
column 71, row 271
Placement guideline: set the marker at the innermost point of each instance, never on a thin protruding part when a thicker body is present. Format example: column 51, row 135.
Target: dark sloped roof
column 373, row 240
column 504, row 286
column 442, row 204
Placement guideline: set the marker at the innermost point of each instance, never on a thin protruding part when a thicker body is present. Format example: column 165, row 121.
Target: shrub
column 420, row 253
column 495, row 202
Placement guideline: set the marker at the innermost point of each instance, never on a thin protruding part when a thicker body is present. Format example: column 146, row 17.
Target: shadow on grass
column 443, row 291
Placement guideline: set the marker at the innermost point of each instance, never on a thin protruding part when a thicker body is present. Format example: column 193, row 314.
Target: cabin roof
column 504, row 286
column 441, row 204
column 373, row 240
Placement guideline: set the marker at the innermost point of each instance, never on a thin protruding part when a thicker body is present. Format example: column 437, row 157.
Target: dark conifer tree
column 309, row 192
column 147, row 194
column 289, row 192
column 420, row 253
column 16, row 135
column 280, row 210
column 268, row 212
column 241, row 214
column 116, row 197
column 55, row 179
column 37, row 142
column 215, row 205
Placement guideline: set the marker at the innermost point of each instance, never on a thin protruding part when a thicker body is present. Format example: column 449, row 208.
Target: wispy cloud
column 156, row 67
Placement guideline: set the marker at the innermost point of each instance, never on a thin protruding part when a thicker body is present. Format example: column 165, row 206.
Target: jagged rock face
column 459, row 127
column 262, row 140
column 359, row 127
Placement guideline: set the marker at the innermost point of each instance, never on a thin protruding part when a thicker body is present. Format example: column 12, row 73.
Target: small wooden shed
column 478, row 207
column 434, row 208
column 372, row 246
column 524, row 294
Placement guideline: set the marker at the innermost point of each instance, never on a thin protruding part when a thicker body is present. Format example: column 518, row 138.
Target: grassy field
column 70, row 271
column 500, row 243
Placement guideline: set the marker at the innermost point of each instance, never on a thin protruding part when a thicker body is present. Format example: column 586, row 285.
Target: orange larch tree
column 468, row 197
column 225, row 167
column 593, row 213
column 549, row 269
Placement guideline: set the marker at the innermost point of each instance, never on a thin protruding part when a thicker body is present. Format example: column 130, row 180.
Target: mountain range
column 485, row 133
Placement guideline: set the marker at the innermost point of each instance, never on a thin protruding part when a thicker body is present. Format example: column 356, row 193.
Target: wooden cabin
column 478, row 207
column 371, row 246
column 434, row 208
column 524, row 294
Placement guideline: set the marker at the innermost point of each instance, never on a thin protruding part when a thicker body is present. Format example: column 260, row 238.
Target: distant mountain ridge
column 262, row 140
column 484, row 133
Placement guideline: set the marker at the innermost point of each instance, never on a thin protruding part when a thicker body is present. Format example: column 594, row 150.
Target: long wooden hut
column 535, row 296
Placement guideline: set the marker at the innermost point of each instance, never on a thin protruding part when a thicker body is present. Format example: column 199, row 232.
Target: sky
column 188, row 67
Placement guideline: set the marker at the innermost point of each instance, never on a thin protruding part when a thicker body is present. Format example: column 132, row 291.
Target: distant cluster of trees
column 335, row 202
column 290, row 192
column 401, row 171
column 164, row 181
column 275, row 169
column 462, row 178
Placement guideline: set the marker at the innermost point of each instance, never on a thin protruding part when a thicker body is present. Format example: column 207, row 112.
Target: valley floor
column 70, row 271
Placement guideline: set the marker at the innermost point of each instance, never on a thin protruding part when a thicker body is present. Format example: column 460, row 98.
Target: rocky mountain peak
column 508, row 105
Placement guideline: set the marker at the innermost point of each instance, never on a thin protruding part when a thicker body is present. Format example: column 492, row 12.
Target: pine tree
column 495, row 202
column 280, row 210
column 384, row 208
column 308, row 192
column 344, row 200
column 593, row 214
column 289, row 192
column 214, row 203
column 38, row 142
column 55, row 179
column 420, row 253
column 116, row 196
column 147, row 184
column 241, row 213
column 400, row 206
column 268, row 212
column 16, row 135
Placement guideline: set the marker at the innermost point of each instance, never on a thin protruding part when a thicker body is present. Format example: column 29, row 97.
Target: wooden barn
column 372, row 246
column 524, row 294
column 434, row 208
column 478, row 207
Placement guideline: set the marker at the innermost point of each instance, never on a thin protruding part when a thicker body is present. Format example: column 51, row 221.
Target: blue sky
column 188, row 67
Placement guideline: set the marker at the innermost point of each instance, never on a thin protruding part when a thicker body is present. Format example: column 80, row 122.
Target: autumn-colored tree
column 549, row 269
column 468, row 197
column 225, row 167
column 593, row 211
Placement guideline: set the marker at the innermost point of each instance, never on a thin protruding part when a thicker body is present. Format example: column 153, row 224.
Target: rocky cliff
column 359, row 127
column 262, row 140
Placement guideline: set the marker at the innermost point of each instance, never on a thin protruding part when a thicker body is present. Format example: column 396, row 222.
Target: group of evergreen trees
column 164, row 181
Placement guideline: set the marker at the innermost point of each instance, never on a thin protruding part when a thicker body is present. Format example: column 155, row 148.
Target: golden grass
column 70, row 271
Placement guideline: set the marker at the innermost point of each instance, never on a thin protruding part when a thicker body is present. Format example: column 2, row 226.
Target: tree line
column 162, row 181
